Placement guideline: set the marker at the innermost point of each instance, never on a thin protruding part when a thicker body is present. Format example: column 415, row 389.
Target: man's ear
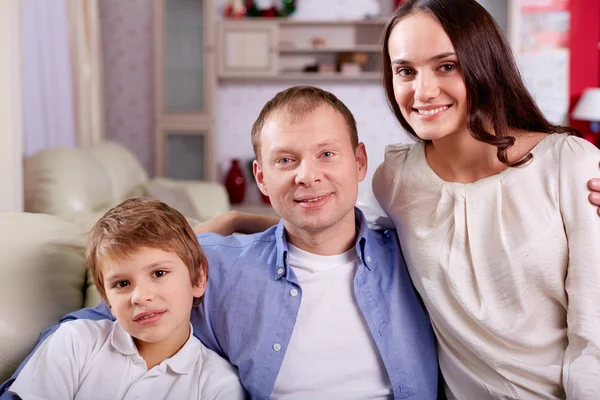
column 259, row 177
column 361, row 161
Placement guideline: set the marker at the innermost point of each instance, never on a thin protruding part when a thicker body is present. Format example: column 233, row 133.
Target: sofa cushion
column 43, row 278
column 127, row 177
column 65, row 182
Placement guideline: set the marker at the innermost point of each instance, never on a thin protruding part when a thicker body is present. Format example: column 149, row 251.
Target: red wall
column 584, row 44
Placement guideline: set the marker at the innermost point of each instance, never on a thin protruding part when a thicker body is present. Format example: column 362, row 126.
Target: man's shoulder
column 214, row 241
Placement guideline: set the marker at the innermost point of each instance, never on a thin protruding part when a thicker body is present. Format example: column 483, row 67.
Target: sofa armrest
column 208, row 198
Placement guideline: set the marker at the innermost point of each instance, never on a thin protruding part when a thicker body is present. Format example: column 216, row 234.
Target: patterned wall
column 128, row 75
column 128, row 59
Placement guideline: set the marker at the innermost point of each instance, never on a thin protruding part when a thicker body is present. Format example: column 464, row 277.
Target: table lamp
column 588, row 109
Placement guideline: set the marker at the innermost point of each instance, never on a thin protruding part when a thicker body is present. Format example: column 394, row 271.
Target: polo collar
column 181, row 363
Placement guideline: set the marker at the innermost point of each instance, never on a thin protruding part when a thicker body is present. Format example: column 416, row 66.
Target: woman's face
column 428, row 85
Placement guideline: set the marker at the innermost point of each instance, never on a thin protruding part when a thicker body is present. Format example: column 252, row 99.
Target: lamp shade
column 588, row 106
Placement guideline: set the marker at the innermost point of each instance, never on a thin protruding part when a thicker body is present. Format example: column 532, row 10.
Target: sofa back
column 80, row 185
column 43, row 278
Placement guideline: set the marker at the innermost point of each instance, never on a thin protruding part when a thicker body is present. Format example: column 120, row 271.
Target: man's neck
column 336, row 239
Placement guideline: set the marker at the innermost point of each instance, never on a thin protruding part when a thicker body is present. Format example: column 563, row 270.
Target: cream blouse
column 508, row 267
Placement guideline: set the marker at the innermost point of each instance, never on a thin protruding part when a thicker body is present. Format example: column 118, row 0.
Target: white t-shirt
column 89, row 360
column 508, row 267
column 318, row 363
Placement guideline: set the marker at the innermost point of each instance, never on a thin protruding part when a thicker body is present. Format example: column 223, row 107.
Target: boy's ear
column 199, row 286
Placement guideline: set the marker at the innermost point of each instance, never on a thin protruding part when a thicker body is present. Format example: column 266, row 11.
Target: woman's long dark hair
column 495, row 91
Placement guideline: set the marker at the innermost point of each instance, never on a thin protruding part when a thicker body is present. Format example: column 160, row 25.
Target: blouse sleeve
column 581, row 365
column 53, row 370
column 385, row 182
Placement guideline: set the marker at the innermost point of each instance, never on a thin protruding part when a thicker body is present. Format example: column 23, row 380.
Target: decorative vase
column 235, row 183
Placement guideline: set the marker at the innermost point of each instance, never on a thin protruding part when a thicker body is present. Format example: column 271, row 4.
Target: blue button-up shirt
column 248, row 316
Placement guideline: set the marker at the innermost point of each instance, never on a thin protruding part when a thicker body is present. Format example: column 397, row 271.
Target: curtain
column 47, row 87
column 86, row 64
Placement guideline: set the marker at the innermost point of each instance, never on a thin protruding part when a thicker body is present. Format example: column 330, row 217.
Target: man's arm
column 100, row 312
column 233, row 221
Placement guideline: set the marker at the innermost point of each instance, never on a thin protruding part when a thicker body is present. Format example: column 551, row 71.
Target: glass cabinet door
column 184, row 58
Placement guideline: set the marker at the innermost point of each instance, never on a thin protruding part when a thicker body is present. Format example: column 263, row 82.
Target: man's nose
column 308, row 173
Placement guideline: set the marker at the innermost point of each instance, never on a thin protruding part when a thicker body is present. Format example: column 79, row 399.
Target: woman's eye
column 447, row 67
column 404, row 71
column 327, row 154
column 159, row 273
column 121, row 284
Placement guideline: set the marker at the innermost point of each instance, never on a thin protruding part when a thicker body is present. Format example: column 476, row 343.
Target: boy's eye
column 121, row 284
column 159, row 273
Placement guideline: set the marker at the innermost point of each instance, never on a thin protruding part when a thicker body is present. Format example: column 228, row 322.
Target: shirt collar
column 362, row 240
column 181, row 363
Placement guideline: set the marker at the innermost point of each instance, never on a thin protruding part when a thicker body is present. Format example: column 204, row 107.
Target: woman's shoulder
column 398, row 153
column 567, row 148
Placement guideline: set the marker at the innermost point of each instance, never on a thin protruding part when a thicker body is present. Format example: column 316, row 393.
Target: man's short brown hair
column 138, row 223
column 296, row 102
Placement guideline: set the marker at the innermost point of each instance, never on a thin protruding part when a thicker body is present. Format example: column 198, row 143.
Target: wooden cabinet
column 285, row 49
column 185, row 84
column 247, row 48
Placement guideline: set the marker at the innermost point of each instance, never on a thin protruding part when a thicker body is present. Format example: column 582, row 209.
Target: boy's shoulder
column 87, row 329
column 218, row 377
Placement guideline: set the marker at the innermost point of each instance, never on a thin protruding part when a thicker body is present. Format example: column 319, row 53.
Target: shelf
column 365, row 48
column 298, row 22
column 309, row 76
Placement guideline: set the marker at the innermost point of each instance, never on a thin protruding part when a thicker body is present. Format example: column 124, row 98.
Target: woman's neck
column 464, row 159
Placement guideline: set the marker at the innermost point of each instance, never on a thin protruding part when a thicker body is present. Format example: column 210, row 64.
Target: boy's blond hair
column 138, row 223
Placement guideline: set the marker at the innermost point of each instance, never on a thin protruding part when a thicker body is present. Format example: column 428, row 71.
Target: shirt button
column 280, row 271
column 293, row 292
column 369, row 258
column 276, row 347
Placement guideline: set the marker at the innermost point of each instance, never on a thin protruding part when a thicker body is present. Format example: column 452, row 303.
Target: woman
column 491, row 209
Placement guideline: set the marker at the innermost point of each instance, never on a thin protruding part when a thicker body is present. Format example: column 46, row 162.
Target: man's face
column 309, row 169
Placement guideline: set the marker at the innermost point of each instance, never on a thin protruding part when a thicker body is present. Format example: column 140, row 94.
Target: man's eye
column 159, row 273
column 121, row 284
column 284, row 160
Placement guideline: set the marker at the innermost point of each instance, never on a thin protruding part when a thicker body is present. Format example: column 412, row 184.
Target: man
column 318, row 306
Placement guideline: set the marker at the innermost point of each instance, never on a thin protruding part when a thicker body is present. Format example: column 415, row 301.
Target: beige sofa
column 80, row 185
column 43, row 278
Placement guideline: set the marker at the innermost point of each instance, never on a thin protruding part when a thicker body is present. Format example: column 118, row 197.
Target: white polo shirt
column 87, row 359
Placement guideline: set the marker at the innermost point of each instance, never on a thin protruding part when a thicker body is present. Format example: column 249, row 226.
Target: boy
column 149, row 268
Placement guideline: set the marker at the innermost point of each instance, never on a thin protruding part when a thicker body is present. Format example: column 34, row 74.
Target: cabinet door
column 185, row 83
column 248, row 49
column 185, row 154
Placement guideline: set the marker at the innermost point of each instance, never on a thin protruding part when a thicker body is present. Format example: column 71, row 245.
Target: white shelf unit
column 280, row 49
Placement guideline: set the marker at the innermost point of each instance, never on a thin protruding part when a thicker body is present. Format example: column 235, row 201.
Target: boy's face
column 151, row 294
column 309, row 169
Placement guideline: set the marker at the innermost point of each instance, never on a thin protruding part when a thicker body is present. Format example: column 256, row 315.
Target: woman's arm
column 237, row 222
column 581, row 365
column 594, row 186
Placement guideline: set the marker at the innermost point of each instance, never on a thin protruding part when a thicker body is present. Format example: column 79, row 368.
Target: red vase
column 235, row 183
